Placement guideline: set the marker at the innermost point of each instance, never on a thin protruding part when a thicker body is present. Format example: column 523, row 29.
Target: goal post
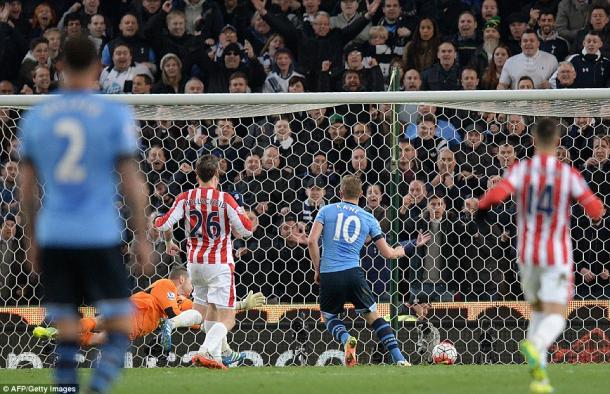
column 284, row 155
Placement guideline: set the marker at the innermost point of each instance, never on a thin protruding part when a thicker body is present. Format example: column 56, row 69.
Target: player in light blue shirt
column 344, row 228
column 78, row 146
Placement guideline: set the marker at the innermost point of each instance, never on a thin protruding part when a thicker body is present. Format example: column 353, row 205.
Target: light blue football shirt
column 74, row 141
column 346, row 227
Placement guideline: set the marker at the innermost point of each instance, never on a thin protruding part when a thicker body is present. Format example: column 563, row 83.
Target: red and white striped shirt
column 211, row 216
column 544, row 190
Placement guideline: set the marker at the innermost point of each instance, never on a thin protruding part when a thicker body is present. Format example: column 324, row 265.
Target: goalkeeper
column 164, row 299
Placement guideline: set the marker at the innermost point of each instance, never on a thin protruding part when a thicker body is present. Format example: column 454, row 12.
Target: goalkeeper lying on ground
column 164, row 299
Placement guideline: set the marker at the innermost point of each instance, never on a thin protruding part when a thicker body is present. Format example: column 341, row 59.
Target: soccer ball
column 444, row 353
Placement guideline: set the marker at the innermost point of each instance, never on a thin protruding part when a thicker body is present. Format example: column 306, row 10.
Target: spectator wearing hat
column 172, row 79
column 282, row 70
column 467, row 39
column 592, row 68
column 129, row 33
column 517, row 25
column 533, row 62
column 228, row 35
column 370, row 78
column 216, row 75
column 444, row 75
column 118, row 78
column 550, row 41
column 324, row 44
column 571, row 17
column 483, row 56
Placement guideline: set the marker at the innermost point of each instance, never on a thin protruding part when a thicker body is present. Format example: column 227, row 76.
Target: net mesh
column 285, row 161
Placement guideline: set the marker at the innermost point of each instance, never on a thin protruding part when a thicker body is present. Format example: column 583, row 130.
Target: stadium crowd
column 284, row 168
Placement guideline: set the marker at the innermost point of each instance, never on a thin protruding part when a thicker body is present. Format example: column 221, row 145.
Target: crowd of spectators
column 284, row 168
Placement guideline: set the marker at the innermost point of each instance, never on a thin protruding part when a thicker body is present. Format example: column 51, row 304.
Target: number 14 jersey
column 346, row 227
column 210, row 215
column 544, row 190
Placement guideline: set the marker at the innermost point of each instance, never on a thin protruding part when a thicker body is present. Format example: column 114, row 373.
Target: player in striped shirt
column 544, row 189
column 210, row 218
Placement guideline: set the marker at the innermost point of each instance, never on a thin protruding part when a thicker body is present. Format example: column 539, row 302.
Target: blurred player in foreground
column 164, row 299
column 344, row 228
column 544, row 189
column 211, row 217
column 81, row 147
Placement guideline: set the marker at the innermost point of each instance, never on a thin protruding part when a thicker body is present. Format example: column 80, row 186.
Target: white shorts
column 213, row 284
column 547, row 284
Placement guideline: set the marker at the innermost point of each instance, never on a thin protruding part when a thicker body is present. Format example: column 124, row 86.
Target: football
column 444, row 353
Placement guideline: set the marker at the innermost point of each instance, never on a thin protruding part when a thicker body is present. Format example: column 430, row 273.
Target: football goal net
column 420, row 155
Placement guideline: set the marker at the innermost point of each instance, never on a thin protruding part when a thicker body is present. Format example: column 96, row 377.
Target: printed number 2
column 545, row 200
column 212, row 227
column 342, row 228
column 69, row 170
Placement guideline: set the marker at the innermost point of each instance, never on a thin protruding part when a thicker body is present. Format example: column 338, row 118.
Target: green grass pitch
column 437, row 379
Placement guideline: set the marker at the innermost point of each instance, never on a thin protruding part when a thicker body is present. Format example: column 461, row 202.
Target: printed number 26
column 212, row 226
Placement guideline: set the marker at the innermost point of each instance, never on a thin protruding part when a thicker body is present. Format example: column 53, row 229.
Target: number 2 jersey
column 346, row 227
column 544, row 190
column 74, row 142
column 210, row 216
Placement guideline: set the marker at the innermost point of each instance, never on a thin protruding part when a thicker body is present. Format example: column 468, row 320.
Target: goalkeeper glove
column 251, row 301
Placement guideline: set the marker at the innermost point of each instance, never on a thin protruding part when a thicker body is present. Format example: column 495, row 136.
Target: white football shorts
column 553, row 284
column 213, row 284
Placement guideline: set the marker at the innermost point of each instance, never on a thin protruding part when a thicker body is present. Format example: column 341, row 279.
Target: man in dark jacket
column 216, row 75
column 592, row 67
column 130, row 35
column 444, row 75
column 321, row 44
column 176, row 40
column 12, row 48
